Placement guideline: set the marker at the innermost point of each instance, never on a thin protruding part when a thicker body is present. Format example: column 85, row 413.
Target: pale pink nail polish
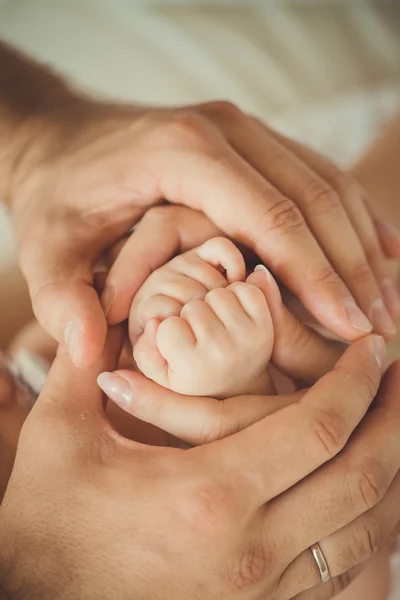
column 380, row 318
column 379, row 349
column 356, row 316
column 116, row 388
column 73, row 338
column 391, row 295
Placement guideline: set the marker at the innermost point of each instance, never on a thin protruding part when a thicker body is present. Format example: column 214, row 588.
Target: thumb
column 71, row 398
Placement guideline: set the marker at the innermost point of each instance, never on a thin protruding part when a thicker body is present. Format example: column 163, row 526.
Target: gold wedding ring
column 321, row 562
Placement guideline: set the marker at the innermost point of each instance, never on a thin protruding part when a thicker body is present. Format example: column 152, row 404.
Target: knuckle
column 330, row 431
column 368, row 482
column 186, row 129
column 249, row 293
column 361, row 273
column 321, row 198
column 323, row 274
column 217, row 295
column 365, row 537
column 221, row 244
column 284, row 216
column 224, row 110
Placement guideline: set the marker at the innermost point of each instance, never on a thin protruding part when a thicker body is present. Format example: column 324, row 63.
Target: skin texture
column 199, row 502
column 79, row 173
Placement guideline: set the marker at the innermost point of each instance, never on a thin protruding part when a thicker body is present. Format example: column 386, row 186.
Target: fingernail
column 387, row 228
column 379, row 350
column 356, row 316
column 271, row 281
column 73, row 338
column 117, row 388
column 391, row 295
column 107, row 298
column 381, row 319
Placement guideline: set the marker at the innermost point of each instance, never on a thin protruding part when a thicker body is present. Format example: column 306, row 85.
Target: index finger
column 272, row 455
column 249, row 209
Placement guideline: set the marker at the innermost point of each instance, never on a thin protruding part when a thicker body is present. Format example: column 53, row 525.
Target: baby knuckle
column 284, row 216
column 221, row 244
column 321, row 198
column 368, row 482
column 330, row 431
column 365, row 537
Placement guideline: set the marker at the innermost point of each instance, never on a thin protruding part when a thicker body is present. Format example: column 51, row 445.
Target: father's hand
column 90, row 170
column 112, row 518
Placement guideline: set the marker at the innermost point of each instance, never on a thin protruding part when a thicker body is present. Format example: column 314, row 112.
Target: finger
column 354, row 202
column 389, row 238
column 175, row 338
column 253, row 303
column 298, row 351
column 326, row 212
column 349, row 547
column 71, row 402
column 227, row 308
column 165, row 284
column 194, row 419
column 157, row 307
column 202, row 320
column 63, row 298
column 192, row 266
column 162, row 233
column 306, row 435
column 250, row 210
column 351, row 484
column 221, row 252
column 329, row 590
column 148, row 357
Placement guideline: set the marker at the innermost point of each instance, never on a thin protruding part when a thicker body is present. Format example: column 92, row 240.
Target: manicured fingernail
column 379, row 350
column 73, row 338
column 107, row 298
column 381, row 320
column 388, row 229
column 391, row 295
column 356, row 316
column 117, row 388
column 271, row 281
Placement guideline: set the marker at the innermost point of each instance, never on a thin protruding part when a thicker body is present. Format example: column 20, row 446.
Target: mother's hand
column 361, row 473
column 116, row 517
column 103, row 167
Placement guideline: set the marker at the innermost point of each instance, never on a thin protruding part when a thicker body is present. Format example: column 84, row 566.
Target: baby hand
column 200, row 336
column 219, row 346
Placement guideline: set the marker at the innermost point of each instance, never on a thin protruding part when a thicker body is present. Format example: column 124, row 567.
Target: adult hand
column 100, row 167
column 219, row 520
